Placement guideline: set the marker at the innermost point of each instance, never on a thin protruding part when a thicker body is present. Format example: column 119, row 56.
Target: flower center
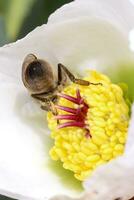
column 98, row 112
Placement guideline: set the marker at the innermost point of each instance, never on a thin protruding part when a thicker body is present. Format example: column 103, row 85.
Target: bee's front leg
column 46, row 104
column 62, row 68
column 51, row 107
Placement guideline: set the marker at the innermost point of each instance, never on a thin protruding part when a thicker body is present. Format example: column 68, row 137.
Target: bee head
column 37, row 75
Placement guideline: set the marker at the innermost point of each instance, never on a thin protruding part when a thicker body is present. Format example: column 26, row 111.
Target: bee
column 43, row 84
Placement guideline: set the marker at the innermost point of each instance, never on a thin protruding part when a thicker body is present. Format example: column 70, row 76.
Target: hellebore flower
column 82, row 35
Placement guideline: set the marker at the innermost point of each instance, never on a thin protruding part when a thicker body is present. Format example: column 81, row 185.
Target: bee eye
column 35, row 70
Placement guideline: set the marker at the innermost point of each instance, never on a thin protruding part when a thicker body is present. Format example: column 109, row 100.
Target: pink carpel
column 76, row 116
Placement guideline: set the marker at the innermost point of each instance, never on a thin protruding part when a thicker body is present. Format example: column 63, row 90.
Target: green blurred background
column 19, row 17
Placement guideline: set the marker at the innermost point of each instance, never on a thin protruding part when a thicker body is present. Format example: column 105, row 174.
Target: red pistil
column 74, row 123
column 64, row 117
column 78, row 115
column 67, row 109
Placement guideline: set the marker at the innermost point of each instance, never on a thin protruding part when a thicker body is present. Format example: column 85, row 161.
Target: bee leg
column 40, row 98
column 46, row 105
column 54, row 110
column 62, row 68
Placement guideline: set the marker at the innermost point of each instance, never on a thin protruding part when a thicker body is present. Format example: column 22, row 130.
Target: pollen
column 90, row 128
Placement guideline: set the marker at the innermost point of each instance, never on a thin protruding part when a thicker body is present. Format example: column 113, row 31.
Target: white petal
column 24, row 144
column 131, row 39
column 118, row 12
column 88, row 43
column 130, row 140
column 79, row 44
column 101, row 38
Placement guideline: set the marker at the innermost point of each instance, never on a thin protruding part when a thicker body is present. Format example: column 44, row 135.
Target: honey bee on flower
column 88, row 122
column 85, row 129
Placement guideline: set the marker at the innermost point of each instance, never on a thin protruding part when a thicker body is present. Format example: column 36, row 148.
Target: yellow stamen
column 107, row 119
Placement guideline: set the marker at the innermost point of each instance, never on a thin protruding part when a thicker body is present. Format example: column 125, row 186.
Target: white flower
column 83, row 34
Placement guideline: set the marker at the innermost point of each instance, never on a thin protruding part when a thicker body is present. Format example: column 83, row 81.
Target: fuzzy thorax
column 95, row 131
